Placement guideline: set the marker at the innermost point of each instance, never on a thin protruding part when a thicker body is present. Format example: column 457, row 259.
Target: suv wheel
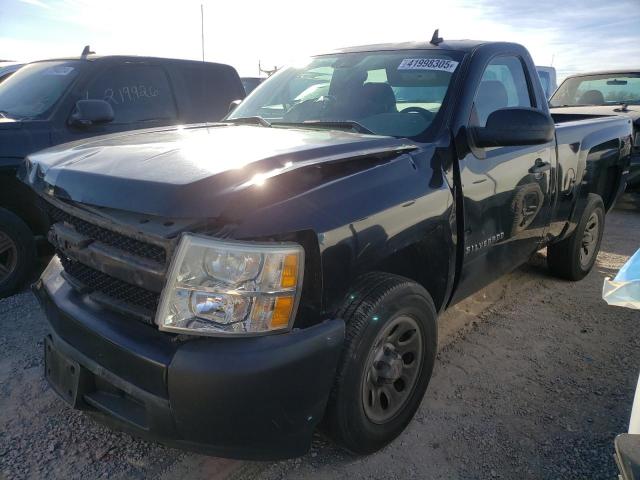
column 386, row 364
column 17, row 252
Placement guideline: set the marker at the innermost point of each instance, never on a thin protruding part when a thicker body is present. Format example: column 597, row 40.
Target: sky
column 572, row 35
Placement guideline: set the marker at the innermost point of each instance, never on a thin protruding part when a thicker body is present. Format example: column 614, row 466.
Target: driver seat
column 375, row 99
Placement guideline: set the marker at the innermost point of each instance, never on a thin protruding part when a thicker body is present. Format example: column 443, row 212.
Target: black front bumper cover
column 250, row 398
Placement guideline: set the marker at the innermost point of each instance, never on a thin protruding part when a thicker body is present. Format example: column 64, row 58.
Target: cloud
column 576, row 35
column 579, row 35
column 36, row 3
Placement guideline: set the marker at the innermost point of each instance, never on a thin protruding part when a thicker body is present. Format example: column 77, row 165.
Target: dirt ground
column 534, row 379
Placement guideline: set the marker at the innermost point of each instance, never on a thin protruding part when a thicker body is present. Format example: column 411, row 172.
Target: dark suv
column 50, row 102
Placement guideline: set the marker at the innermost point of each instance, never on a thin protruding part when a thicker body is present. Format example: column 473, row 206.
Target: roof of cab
column 624, row 71
column 135, row 58
column 459, row 45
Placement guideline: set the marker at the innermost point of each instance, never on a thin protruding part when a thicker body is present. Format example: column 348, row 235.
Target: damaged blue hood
column 189, row 171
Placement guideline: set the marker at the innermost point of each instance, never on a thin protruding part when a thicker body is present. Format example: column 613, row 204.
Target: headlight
column 217, row 287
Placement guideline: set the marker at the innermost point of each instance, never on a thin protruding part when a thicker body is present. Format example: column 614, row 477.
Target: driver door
column 507, row 190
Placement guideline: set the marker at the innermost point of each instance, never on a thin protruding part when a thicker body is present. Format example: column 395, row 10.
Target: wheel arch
column 603, row 170
column 431, row 271
column 20, row 200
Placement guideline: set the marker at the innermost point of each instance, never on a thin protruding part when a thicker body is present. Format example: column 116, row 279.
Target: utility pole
column 202, row 28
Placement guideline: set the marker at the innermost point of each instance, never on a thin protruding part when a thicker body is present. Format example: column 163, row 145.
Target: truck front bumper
column 250, row 398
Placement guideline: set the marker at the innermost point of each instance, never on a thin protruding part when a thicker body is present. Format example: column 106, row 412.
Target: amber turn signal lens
column 281, row 312
column 290, row 271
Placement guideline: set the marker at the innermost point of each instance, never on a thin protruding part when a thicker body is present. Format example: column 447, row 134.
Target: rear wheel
column 574, row 257
column 17, row 252
column 386, row 363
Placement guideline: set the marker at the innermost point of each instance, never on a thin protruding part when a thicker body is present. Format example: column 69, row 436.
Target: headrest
column 591, row 97
column 381, row 95
column 491, row 96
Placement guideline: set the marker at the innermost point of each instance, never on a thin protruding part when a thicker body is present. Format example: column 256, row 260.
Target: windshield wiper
column 342, row 124
column 256, row 120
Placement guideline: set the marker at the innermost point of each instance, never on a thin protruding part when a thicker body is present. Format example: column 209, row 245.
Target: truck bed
column 590, row 146
column 559, row 118
column 573, row 127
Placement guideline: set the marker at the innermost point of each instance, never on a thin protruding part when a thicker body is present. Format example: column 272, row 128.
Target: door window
column 503, row 85
column 137, row 93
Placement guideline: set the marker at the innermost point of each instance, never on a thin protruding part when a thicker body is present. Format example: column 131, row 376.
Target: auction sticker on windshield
column 439, row 64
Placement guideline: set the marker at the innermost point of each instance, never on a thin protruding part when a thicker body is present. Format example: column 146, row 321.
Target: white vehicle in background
column 6, row 69
column 548, row 79
column 624, row 291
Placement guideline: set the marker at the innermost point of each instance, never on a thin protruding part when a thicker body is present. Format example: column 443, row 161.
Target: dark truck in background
column 55, row 101
column 615, row 92
column 229, row 288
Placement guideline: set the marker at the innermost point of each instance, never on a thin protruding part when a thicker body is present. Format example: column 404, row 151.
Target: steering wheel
column 426, row 114
column 314, row 106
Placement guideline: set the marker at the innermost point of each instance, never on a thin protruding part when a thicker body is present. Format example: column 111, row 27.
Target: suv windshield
column 35, row 88
column 396, row 93
column 601, row 89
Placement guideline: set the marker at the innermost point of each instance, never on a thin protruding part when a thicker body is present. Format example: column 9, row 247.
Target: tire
column 567, row 259
column 379, row 309
column 17, row 252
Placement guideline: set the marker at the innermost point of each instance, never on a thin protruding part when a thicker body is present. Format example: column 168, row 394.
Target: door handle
column 540, row 166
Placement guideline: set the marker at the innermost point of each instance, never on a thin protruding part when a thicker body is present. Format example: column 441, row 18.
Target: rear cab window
column 136, row 92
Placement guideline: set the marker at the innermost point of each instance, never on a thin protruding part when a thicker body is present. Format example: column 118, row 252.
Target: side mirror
column 514, row 126
column 91, row 112
column 233, row 105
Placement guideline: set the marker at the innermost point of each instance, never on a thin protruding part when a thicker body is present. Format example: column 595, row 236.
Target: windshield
column 397, row 93
column 602, row 89
column 35, row 88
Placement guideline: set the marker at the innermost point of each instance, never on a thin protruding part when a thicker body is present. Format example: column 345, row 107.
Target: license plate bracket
column 63, row 374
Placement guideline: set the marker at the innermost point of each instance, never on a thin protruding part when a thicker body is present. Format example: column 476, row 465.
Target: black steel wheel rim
column 392, row 369
column 8, row 256
column 589, row 240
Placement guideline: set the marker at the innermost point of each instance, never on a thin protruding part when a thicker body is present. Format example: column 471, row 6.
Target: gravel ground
column 534, row 378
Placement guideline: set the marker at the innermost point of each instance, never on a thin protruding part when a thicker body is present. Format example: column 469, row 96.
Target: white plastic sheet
column 624, row 289
column 634, row 423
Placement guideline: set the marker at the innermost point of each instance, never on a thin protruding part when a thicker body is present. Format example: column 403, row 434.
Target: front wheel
column 574, row 257
column 386, row 364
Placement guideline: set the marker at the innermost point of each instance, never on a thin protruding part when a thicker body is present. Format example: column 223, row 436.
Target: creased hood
column 188, row 171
